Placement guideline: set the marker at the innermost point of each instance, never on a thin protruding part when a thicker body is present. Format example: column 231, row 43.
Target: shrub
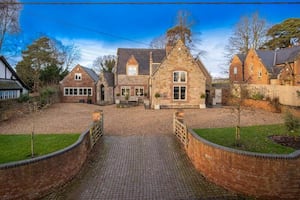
column 157, row 95
column 257, row 96
column 24, row 98
column 291, row 122
column 46, row 94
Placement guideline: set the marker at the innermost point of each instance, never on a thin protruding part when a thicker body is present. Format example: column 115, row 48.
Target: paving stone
column 141, row 167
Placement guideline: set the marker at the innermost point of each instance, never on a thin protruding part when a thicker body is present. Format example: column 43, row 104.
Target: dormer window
column 78, row 76
column 132, row 70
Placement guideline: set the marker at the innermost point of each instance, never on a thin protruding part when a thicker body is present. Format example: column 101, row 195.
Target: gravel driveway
column 76, row 117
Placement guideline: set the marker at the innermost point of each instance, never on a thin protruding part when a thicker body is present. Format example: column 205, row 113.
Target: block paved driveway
column 140, row 167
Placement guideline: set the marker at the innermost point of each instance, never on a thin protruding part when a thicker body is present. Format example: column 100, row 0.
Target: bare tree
column 182, row 29
column 104, row 63
column 9, row 19
column 159, row 42
column 249, row 32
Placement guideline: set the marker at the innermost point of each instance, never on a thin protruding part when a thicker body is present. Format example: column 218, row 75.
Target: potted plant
column 202, row 100
column 156, row 105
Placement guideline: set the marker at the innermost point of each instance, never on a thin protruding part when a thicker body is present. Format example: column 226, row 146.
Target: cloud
column 213, row 43
column 90, row 49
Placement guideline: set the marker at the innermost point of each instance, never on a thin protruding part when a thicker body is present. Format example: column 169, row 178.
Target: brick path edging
column 33, row 178
column 267, row 176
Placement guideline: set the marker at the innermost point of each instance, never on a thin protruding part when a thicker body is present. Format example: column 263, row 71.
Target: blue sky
column 101, row 29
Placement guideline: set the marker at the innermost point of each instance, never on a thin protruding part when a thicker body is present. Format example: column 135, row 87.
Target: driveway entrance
column 141, row 167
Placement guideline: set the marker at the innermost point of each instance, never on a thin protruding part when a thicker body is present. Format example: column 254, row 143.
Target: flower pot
column 156, row 106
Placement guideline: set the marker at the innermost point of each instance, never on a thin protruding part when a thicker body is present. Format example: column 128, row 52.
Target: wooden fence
column 179, row 128
column 96, row 129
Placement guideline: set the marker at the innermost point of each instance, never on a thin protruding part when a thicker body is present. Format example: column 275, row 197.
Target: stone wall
column 266, row 176
column 33, row 178
column 179, row 59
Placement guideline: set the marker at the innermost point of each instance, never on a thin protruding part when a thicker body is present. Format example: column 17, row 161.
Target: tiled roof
column 142, row 56
column 91, row 73
column 242, row 57
column 13, row 72
column 109, row 77
column 9, row 85
column 272, row 58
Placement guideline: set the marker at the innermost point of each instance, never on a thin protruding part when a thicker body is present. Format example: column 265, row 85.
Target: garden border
column 266, row 176
column 36, row 177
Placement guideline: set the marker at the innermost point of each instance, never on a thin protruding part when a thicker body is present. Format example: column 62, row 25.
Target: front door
column 102, row 92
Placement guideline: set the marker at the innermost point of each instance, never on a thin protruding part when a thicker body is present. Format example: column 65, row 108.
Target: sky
column 100, row 29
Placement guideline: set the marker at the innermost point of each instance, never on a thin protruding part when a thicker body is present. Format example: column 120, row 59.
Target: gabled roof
column 142, row 56
column 272, row 58
column 91, row 73
column 242, row 57
column 13, row 72
column 110, row 78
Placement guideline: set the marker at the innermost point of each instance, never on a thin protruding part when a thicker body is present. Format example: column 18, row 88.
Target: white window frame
column 180, row 75
column 78, row 91
column 129, row 72
column 126, row 90
column 179, row 93
column 9, row 94
column 235, row 70
column 78, row 76
column 139, row 91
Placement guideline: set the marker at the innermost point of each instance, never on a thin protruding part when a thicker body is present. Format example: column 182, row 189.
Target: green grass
column 18, row 147
column 254, row 138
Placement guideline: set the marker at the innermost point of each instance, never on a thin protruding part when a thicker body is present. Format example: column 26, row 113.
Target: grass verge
column 253, row 138
column 18, row 147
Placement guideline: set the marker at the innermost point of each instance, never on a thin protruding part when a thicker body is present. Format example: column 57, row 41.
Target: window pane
column 176, row 92
column 71, row 91
column 80, row 91
column 90, row 92
column 132, row 70
column 182, row 93
column 66, row 91
column 84, row 91
column 75, row 91
column 142, row 91
column 176, row 76
column 182, row 77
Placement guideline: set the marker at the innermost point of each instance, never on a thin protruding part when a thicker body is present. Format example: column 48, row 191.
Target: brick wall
column 238, row 76
column 265, row 176
column 86, row 81
column 253, row 65
column 31, row 179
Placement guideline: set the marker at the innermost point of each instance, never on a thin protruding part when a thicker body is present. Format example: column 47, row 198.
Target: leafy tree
column 9, row 19
column 249, row 32
column 41, row 64
column 104, row 63
column 281, row 34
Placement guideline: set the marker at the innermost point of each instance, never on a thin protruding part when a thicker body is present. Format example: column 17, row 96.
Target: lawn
column 18, row 147
column 254, row 138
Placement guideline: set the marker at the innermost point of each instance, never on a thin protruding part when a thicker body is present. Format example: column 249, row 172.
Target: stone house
column 132, row 71
column 173, row 74
column 105, row 88
column 80, row 85
column 279, row 67
column 179, row 81
column 11, row 86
